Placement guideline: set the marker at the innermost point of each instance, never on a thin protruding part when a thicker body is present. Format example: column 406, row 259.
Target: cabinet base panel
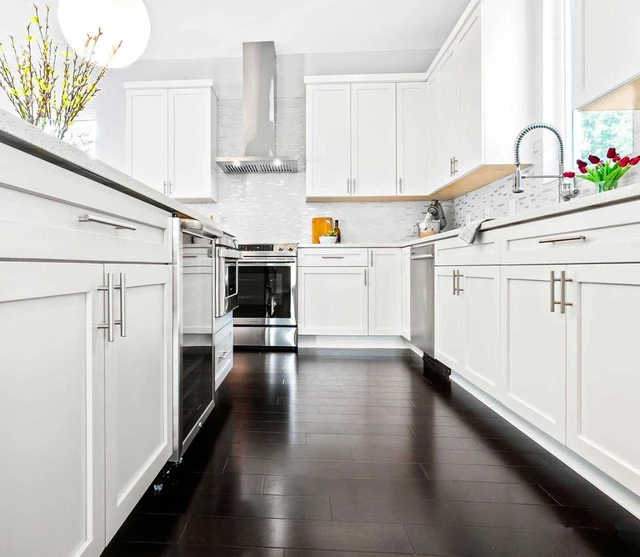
column 320, row 341
column 599, row 479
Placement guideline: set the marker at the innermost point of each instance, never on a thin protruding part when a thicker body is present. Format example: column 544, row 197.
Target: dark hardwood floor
column 360, row 456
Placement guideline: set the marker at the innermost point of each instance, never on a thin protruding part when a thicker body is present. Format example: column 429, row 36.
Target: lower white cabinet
column 83, row 420
column 137, row 388
column 385, row 291
column 52, row 420
column 468, row 323
column 448, row 329
column 534, row 346
column 602, row 368
column 333, row 300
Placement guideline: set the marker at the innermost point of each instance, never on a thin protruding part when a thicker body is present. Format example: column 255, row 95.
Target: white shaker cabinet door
column 190, row 144
column 385, row 291
column 333, row 300
column 413, row 139
column 603, row 390
column 373, row 139
column 533, row 347
column 329, row 140
column 604, row 47
column 469, row 47
column 138, row 388
column 51, row 410
column 480, row 294
column 147, row 137
column 449, row 342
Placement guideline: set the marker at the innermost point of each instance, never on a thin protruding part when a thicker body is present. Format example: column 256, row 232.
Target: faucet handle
column 517, row 181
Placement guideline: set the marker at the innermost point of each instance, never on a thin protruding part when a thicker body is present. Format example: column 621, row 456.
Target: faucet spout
column 565, row 194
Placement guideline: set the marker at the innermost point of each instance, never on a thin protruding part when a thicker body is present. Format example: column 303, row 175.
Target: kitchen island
column 87, row 329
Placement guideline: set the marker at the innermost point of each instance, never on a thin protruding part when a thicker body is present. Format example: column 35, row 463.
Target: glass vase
column 606, row 186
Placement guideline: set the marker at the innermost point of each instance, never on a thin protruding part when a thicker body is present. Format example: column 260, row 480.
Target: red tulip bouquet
column 604, row 173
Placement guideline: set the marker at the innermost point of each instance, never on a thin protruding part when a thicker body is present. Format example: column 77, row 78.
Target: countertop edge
column 21, row 135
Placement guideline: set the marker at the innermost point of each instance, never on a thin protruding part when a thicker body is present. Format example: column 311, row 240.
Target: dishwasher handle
column 419, row 257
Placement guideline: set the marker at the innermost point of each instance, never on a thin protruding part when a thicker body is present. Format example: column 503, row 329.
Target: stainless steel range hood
column 259, row 88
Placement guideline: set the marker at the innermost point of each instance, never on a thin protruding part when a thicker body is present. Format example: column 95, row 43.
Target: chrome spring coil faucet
column 566, row 191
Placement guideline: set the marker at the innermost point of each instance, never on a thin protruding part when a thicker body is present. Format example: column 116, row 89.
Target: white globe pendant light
column 125, row 21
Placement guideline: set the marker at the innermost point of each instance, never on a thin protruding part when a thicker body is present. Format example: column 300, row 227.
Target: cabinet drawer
column 603, row 235
column 485, row 250
column 333, row 257
column 223, row 353
column 42, row 208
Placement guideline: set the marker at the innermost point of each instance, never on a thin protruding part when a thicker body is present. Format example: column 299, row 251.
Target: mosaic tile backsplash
column 272, row 208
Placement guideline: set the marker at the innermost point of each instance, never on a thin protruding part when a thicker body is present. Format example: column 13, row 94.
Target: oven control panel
column 270, row 249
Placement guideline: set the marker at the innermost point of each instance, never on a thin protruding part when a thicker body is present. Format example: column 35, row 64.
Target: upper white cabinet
column 171, row 137
column 480, row 107
column 367, row 140
column 605, row 68
column 328, row 167
column 385, row 291
column 413, row 138
column 373, row 139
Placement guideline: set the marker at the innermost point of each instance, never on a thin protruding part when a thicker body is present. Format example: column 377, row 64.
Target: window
column 596, row 131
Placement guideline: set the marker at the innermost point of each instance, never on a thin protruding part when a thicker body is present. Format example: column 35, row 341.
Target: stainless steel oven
column 193, row 345
column 266, row 315
column 227, row 257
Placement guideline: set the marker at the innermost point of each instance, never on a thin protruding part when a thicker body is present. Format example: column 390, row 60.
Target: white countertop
column 22, row 135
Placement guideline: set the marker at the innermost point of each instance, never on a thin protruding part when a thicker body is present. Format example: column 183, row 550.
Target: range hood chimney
column 259, row 89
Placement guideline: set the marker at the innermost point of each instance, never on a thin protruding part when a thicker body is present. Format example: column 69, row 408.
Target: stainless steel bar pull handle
column 224, row 355
column 164, row 187
column 108, row 222
column 563, row 292
column 400, row 184
column 557, row 239
column 552, row 282
column 353, row 191
column 332, row 256
column 348, row 186
column 123, row 304
column 170, row 187
column 455, row 286
column 365, row 277
column 109, row 325
column 371, row 256
column 458, row 286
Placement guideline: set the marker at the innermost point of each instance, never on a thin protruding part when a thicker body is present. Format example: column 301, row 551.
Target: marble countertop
column 22, row 135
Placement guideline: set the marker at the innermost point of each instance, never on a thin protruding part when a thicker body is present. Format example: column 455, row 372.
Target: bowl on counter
column 328, row 239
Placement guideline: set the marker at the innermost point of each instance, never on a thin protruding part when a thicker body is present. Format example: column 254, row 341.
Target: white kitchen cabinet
column 413, row 138
column 147, row 137
column 171, row 137
column 406, row 293
column 373, row 139
column 601, row 67
column 448, row 118
column 449, row 327
column 223, row 342
column 602, row 368
column 468, row 48
column 328, row 170
column 52, row 409
column 480, row 107
column 137, row 388
column 192, row 126
column 385, row 291
column 533, row 346
column 333, row 300
column 480, row 297
column 468, row 324
column 433, row 135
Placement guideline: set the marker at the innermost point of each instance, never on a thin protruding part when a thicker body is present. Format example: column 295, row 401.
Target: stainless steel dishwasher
column 422, row 298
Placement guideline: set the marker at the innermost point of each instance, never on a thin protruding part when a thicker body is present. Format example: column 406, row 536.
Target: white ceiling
column 186, row 29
